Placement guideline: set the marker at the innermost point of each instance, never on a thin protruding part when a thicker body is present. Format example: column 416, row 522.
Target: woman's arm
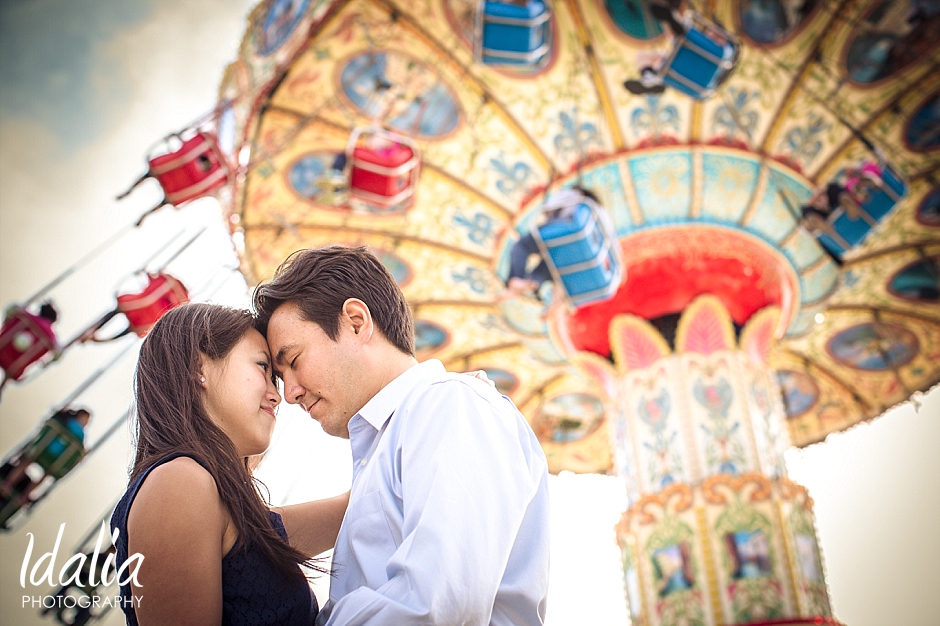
column 312, row 527
column 177, row 522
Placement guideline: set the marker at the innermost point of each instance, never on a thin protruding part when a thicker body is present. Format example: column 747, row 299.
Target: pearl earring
column 202, row 379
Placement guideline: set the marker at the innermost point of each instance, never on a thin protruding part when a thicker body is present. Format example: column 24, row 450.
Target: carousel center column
column 714, row 532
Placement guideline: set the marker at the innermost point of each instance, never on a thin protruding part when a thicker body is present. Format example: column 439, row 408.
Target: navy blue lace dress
column 253, row 592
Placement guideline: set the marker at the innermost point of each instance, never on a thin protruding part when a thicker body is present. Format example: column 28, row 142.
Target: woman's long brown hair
column 171, row 417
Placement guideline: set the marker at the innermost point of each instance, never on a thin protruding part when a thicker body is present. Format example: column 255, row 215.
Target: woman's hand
column 480, row 375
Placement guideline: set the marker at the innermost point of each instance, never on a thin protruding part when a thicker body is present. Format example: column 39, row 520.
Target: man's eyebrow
column 279, row 359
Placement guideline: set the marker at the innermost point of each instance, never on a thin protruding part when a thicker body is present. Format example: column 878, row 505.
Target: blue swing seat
column 850, row 232
column 582, row 254
column 699, row 64
column 508, row 34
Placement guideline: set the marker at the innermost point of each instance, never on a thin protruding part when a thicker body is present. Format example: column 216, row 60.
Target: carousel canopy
column 704, row 193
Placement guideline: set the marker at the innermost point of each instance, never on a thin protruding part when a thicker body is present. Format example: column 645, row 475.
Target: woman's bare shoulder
column 177, row 491
column 182, row 474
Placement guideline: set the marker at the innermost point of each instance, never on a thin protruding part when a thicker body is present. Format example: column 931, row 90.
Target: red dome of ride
column 667, row 268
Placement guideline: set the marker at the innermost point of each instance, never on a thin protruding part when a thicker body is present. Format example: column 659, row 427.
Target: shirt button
column 363, row 462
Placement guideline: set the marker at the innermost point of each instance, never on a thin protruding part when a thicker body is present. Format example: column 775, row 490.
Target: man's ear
column 358, row 318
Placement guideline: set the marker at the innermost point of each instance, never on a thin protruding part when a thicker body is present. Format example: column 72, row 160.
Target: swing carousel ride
column 754, row 266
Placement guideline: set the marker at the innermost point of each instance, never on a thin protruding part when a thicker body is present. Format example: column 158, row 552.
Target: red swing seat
column 383, row 171
column 24, row 339
column 143, row 309
column 192, row 171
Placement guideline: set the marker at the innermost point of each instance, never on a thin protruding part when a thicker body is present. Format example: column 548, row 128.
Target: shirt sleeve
column 469, row 468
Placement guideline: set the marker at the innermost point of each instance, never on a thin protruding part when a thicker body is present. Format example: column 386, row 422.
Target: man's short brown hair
column 320, row 280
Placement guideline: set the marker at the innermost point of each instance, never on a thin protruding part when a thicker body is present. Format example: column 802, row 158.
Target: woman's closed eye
column 274, row 375
column 269, row 370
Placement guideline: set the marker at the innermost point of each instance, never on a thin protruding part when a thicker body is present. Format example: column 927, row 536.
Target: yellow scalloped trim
column 620, row 322
column 726, row 326
column 771, row 315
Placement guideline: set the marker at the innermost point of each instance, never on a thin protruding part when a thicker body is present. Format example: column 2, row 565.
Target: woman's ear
column 202, row 371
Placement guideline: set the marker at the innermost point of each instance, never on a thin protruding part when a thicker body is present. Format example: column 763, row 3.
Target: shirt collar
column 383, row 404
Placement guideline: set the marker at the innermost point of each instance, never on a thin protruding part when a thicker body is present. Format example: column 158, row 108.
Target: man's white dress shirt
column 448, row 515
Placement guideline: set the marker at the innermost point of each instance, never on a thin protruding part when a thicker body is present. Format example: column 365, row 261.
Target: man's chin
column 333, row 431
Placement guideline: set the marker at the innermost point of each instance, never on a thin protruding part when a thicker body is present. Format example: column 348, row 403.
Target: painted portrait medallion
column 401, row 91
column 874, row 347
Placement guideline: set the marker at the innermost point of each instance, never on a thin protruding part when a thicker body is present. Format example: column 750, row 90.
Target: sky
column 86, row 86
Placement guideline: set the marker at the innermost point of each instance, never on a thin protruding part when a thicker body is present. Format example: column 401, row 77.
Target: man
column 448, row 514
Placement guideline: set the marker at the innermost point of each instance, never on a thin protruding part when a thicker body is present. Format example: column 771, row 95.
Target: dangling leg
column 11, row 503
column 89, row 333
column 123, row 333
column 517, row 287
column 142, row 217
column 13, row 477
column 548, row 291
column 815, row 222
column 637, row 88
column 649, row 82
column 519, row 256
column 339, row 162
column 665, row 12
column 520, row 281
column 833, row 191
column 836, row 259
column 332, row 183
column 851, row 207
column 6, row 483
column 142, row 178
column 540, row 274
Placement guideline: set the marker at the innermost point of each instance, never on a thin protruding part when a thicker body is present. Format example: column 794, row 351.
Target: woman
column 213, row 551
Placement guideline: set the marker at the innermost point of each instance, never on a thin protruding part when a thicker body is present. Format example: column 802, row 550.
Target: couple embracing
column 447, row 518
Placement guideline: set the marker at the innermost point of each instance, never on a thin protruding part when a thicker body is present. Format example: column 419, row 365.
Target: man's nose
column 293, row 392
